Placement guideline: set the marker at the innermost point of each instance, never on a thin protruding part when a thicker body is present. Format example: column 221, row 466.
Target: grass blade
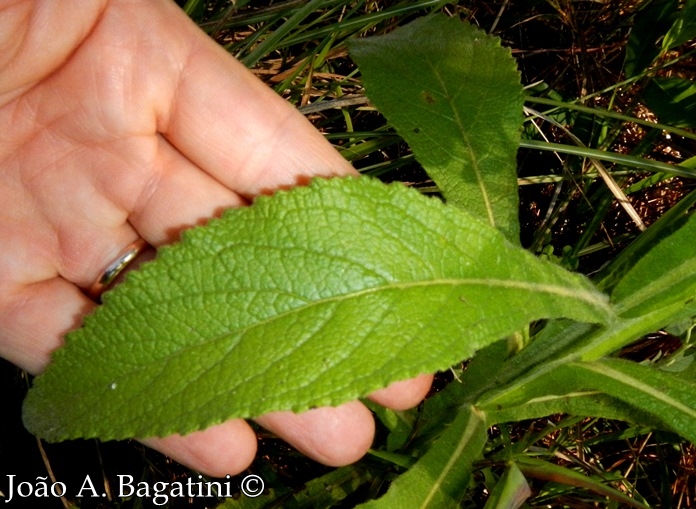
column 449, row 124
column 612, row 157
column 277, row 35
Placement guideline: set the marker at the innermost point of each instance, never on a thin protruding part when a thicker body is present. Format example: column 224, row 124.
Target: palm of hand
column 128, row 122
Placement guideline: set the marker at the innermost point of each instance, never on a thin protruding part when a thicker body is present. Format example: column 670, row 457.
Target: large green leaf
column 311, row 297
column 458, row 104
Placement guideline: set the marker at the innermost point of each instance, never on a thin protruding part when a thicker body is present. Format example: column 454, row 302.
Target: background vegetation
column 598, row 76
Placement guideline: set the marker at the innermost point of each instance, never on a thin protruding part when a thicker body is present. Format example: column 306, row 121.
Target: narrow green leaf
column 458, row 105
column 673, row 100
column 548, row 346
column 329, row 489
column 666, row 397
column 530, row 375
column 602, row 113
column 440, row 478
column 540, row 469
column 667, row 224
column 612, row 157
column 311, row 297
column 511, row 491
column 664, row 276
column 684, row 27
column 269, row 44
column 653, row 21
column 546, row 397
column 398, row 423
column 360, row 23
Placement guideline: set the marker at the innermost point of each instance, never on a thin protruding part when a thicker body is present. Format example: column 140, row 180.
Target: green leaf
column 398, row 423
column 609, row 388
column 534, row 374
column 311, row 297
column 684, row 27
column 667, row 398
column 546, row 398
column 666, row 275
column 673, row 100
column 653, row 21
column 667, row 224
column 440, row 478
column 327, row 490
column 511, row 491
column 458, row 104
column 540, row 469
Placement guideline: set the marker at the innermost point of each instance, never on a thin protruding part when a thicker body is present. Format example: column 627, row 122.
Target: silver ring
column 106, row 278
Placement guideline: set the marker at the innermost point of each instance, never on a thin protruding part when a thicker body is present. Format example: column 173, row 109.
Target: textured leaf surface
column 440, row 478
column 664, row 276
column 458, row 104
column 666, row 397
column 311, row 297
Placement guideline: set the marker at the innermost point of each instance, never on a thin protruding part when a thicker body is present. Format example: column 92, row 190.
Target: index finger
column 258, row 141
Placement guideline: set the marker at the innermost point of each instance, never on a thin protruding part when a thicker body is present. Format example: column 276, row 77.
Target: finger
column 34, row 318
column 334, row 436
column 405, row 394
column 55, row 223
column 228, row 448
column 178, row 197
column 27, row 342
column 258, row 142
column 32, row 44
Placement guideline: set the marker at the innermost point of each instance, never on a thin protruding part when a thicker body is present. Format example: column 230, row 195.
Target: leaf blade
column 440, row 477
column 667, row 398
column 450, row 130
column 300, row 300
column 684, row 27
column 664, row 276
column 653, row 21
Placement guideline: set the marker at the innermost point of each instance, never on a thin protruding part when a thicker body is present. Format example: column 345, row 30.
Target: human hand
column 123, row 121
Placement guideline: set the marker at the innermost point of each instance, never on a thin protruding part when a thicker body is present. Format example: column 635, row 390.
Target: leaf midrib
column 657, row 286
column 467, row 143
column 476, row 418
column 604, row 370
column 586, row 296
